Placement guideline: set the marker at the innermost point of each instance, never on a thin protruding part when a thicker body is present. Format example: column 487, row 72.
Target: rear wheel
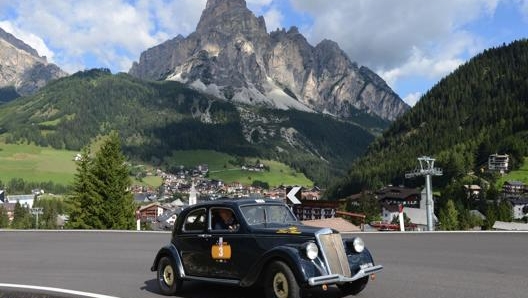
column 280, row 282
column 168, row 281
column 353, row 288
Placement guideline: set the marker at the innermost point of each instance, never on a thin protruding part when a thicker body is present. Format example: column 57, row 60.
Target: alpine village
column 234, row 111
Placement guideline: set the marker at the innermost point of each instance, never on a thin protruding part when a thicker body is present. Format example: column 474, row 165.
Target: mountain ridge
column 231, row 55
column 22, row 70
column 156, row 118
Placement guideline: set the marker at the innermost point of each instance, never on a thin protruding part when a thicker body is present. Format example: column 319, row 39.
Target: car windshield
column 261, row 214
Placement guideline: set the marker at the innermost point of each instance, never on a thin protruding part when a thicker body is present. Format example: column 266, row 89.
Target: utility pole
column 427, row 169
column 36, row 211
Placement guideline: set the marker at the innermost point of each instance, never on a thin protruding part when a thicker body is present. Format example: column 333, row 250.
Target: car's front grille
column 334, row 254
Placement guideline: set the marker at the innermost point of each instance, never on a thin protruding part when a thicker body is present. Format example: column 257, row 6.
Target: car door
column 234, row 251
column 194, row 243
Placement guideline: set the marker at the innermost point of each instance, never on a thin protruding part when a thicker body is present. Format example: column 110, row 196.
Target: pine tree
column 449, row 217
column 4, row 219
column 21, row 217
column 505, row 211
column 111, row 171
column 52, row 208
column 491, row 216
column 86, row 205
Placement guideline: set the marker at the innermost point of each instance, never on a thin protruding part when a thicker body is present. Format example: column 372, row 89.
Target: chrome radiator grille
column 334, row 254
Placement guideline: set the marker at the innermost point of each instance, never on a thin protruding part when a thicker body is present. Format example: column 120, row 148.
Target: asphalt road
column 117, row 264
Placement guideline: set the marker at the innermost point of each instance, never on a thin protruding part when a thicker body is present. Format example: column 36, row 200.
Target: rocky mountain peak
column 213, row 4
column 17, row 43
column 22, row 68
column 230, row 17
column 231, row 56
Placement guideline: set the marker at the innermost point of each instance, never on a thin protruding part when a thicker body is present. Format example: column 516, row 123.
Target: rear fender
column 172, row 252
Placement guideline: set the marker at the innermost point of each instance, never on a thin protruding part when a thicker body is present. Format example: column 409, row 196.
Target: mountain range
column 231, row 55
column 230, row 86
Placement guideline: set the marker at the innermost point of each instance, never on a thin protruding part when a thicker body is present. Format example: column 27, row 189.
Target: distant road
column 436, row 265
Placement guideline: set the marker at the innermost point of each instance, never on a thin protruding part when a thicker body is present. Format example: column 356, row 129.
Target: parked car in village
column 260, row 242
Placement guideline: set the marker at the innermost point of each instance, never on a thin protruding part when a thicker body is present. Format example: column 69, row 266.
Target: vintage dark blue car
column 260, row 242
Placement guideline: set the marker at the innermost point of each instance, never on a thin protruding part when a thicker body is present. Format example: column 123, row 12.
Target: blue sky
column 411, row 44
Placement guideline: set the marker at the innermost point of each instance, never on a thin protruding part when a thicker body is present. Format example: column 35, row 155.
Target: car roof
column 233, row 203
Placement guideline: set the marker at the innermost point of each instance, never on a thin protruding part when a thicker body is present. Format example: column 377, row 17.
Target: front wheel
column 353, row 288
column 168, row 281
column 280, row 282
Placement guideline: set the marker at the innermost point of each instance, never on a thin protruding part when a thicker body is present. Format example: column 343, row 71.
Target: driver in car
column 227, row 220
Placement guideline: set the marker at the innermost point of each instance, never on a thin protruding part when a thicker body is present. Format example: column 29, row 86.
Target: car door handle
column 205, row 235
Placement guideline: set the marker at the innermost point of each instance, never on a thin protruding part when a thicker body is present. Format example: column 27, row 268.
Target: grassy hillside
column 520, row 174
column 279, row 174
column 226, row 168
column 154, row 119
column 37, row 164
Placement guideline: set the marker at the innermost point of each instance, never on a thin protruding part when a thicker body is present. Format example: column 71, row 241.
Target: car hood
column 287, row 229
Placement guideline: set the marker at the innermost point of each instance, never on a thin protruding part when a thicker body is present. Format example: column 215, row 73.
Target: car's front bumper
column 338, row 279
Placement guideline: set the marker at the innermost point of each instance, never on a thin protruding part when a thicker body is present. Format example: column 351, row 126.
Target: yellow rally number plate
column 221, row 251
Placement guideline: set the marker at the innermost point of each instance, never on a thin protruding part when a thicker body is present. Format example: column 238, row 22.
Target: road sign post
column 400, row 218
column 294, row 195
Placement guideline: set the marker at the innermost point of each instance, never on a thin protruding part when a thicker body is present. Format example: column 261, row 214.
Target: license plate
column 367, row 265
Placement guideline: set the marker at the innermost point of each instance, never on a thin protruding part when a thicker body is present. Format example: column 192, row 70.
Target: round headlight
column 311, row 250
column 358, row 244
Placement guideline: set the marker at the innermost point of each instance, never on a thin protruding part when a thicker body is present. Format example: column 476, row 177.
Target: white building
column 24, row 200
column 498, row 163
column 510, row 226
column 418, row 216
column 192, row 195
column 520, row 207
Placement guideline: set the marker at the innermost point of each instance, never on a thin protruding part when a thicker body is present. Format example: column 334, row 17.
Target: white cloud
column 397, row 39
column 383, row 32
column 523, row 4
column 273, row 19
column 174, row 17
column 400, row 38
column 30, row 39
column 258, row 2
column 412, row 98
column 101, row 33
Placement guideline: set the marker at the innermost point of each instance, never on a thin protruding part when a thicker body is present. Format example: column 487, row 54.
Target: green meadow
column 221, row 168
column 36, row 164
column 518, row 175
column 279, row 174
column 39, row 164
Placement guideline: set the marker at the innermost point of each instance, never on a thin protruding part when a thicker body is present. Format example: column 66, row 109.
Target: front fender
column 302, row 267
column 172, row 252
column 356, row 260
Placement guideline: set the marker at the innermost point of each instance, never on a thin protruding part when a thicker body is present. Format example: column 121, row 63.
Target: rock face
column 231, row 55
column 22, row 68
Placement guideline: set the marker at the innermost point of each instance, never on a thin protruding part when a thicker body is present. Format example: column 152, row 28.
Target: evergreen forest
column 478, row 110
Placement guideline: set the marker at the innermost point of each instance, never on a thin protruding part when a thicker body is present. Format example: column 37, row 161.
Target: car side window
column 195, row 221
column 223, row 219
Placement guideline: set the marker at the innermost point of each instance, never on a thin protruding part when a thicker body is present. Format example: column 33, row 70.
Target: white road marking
column 55, row 290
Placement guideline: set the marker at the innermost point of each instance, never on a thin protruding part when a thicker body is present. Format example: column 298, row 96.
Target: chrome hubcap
column 280, row 285
column 168, row 275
